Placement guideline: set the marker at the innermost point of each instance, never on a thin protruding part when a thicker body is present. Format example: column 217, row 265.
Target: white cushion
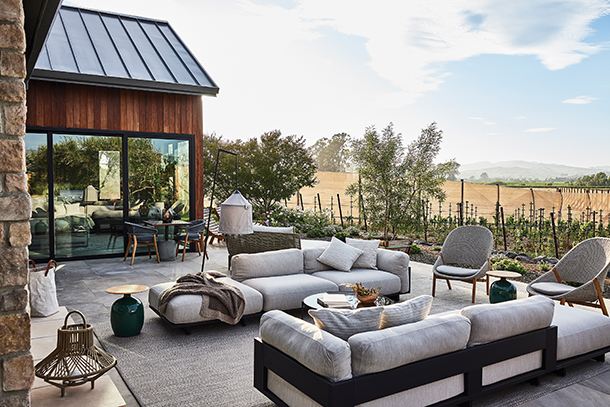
column 551, row 289
column 456, row 271
column 491, row 322
column 273, row 229
column 580, row 331
column 345, row 323
column 315, row 349
column 406, row 312
column 267, row 264
column 368, row 259
column 339, row 256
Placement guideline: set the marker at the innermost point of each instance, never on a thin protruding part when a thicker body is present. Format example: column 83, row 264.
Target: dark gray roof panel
column 121, row 51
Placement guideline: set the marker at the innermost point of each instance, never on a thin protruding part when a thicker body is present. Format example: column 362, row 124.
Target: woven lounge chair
column 584, row 269
column 195, row 233
column 213, row 232
column 141, row 235
column 465, row 246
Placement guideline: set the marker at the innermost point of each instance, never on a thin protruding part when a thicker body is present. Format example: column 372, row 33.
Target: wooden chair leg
column 433, row 284
column 474, row 289
column 148, row 248
column 562, row 301
column 184, row 250
column 177, row 247
column 487, row 282
column 127, row 250
column 448, row 283
column 135, row 247
column 156, row 248
column 198, row 246
column 600, row 297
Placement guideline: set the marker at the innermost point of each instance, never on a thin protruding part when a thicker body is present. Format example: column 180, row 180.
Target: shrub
column 437, row 248
column 509, row 265
column 415, row 249
column 342, row 235
column 544, row 266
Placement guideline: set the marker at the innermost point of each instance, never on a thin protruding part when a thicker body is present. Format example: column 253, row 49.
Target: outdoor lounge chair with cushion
column 195, row 233
column 578, row 278
column 464, row 246
column 140, row 235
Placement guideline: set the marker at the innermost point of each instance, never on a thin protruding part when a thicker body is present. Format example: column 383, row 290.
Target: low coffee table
column 502, row 290
column 311, row 302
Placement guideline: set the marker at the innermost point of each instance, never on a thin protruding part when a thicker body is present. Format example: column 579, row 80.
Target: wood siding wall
column 63, row 105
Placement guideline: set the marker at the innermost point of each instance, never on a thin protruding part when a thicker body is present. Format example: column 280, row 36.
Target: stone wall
column 16, row 363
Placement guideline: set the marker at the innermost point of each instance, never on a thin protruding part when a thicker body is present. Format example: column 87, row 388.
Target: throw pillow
column 339, row 256
column 345, row 323
column 407, row 312
column 368, row 259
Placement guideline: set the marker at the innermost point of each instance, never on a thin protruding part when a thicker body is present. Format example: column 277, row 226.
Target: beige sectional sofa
column 280, row 280
column 446, row 359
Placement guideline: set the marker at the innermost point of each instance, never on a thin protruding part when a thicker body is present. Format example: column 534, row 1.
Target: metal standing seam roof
column 107, row 49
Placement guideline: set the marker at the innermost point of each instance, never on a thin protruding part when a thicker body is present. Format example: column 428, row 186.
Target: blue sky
column 520, row 80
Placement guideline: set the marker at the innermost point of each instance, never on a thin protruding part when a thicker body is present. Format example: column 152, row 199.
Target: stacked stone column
column 16, row 363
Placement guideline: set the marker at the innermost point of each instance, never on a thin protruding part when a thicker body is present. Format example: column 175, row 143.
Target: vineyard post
column 498, row 201
column 503, row 227
column 594, row 229
column 462, row 205
column 332, row 214
column 340, row 211
column 554, row 235
column 302, row 203
column 314, row 204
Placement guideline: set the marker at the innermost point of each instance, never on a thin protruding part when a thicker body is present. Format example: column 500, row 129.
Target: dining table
column 167, row 247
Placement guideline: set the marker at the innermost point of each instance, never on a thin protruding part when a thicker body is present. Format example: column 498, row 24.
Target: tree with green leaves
column 271, row 169
column 332, row 154
column 394, row 182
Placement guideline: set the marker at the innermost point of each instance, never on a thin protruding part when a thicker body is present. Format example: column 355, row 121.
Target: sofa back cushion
column 368, row 259
column 491, row 322
column 267, row 264
column 314, row 348
column 310, row 260
column 273, row 229
column 345, row 323
column 386, row 349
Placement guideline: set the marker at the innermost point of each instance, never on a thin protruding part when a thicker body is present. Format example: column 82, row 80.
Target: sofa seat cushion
column 491, row 322
column 287, row 292
column 456, row 271
column 389, row 283
column 184, row 309
column 552, row 289
column 314, row 348
column 580, row 331
column 266, row 264
column 386, row 349
column 407, row 312
column 345, row 323
column 340, row 256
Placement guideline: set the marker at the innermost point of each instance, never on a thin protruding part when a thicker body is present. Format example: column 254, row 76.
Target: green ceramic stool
column 502, row 290
column 127, row 313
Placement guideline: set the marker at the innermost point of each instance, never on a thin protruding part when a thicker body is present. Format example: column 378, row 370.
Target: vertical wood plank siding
column 56, row 104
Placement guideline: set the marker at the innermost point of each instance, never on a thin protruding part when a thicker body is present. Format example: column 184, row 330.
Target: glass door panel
column 88, row 205
column 38, row 186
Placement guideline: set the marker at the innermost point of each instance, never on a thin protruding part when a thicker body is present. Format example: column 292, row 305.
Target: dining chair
column 141, row 235
column 195, row 233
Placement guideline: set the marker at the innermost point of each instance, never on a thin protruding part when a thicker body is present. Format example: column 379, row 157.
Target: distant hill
column 526, row 170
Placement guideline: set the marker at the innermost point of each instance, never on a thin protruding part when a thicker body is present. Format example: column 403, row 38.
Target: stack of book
column 334, row 301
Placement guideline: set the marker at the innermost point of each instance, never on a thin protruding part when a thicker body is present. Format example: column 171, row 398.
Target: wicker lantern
column 76, row 360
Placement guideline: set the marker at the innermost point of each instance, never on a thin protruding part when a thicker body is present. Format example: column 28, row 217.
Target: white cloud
column 540, row 129
column 521, row 118
column 493, row 134
column 580, row 100
column 482, row 120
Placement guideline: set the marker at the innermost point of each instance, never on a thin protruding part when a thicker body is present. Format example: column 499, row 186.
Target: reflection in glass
column 158, row 179
column 88, row 199
column 38, row 186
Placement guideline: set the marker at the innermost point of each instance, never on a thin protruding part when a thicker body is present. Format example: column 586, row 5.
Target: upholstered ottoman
column 579, row 331
column 184, row 309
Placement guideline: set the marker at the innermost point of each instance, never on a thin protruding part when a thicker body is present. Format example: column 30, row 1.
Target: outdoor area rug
column 214, row 365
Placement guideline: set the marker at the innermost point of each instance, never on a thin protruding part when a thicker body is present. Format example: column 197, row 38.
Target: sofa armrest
column 396, row 263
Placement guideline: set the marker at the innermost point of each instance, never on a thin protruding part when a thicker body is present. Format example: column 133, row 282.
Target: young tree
column 270, row 170
column 332, row 154
column 394, row 184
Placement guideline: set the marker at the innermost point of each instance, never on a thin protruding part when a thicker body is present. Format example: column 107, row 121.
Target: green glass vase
column 127, row 316
column 502, row 290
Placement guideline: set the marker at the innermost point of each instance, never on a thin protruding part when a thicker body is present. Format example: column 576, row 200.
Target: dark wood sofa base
column 469, row 362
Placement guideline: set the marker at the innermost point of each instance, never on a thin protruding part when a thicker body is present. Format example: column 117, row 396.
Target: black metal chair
column 141, row 235
column 195, row 233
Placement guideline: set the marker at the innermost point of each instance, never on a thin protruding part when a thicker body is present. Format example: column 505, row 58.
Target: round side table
column 502, row 290
column 127, row 313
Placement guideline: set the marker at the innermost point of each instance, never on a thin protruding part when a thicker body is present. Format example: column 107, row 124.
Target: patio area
column 81, row 285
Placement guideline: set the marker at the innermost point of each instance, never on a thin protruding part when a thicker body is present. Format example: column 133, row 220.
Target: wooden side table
column 502, row 290
column 127, row 313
